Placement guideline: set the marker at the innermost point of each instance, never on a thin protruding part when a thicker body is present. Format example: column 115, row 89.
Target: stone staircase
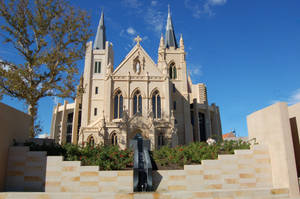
column 266, row 193
column 243, row 175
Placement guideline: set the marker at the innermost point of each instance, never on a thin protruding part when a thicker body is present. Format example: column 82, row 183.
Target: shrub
column 195, row 152
column 114, row 158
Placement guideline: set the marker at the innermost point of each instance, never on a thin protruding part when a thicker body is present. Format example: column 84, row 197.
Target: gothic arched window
column 172, row 71
column 156, row 105
column 160, row 141
column 91, row 141
column 118, row 105
column 137, row 102
column 114, row 139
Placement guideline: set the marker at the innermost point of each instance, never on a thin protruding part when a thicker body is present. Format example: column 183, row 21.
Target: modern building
column 157, row 100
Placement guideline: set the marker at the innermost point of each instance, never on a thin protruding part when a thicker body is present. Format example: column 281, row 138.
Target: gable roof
column 131, row 55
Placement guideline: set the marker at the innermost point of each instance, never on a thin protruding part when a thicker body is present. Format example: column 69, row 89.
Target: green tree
column 50, row 36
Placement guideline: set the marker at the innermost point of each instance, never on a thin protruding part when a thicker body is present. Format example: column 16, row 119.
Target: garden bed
column 165, row 158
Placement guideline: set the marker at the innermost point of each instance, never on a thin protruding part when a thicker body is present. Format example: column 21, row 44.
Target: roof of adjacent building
column 229, row 135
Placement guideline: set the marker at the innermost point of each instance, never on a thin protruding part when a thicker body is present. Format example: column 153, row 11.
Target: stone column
column 152, row 135
column 108, row 98
column 188, row 129
column 167, row 100
column 63, row 124
column 54, row 130
column 207, row 121
column 147, row 96
column 196, row 129
column 87, row 75
column 128, row 96
column 75, row 121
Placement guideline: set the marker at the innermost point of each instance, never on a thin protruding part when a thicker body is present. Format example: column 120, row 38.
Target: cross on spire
column 138, row 40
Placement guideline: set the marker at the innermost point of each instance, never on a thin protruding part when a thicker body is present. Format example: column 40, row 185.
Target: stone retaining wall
column 244, row 169
column 25, row 170
column 33, row 171
column 69, row 176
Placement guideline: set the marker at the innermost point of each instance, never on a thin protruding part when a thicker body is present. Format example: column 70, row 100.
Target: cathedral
column 157, row 100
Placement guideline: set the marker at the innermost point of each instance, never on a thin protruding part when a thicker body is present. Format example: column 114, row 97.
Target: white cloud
column 294, row 98
column 217, row 2
column 153, row 3
column 55, row 100
column 130, row 31
column 43, row 135
column 200, row 7
column 155, row 19
column 145, row 38
column 4, row 66
column 196, row 70
column 132, row 3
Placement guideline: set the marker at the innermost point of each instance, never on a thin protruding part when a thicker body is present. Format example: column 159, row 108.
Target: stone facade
column 157, row 100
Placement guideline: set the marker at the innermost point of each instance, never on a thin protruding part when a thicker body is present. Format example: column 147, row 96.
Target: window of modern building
column 192, row 118
column 118, row 105
column 137, row 102
column 96, row 90
column 70, row 118
column 156, row 105
column 97, row 68
column 95, row 111
column 201, row 121
column 114, row 139
column 69, row 127
column 174, row 105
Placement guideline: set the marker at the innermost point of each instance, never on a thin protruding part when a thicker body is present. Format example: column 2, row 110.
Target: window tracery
column 156, row 105
column 118, row 105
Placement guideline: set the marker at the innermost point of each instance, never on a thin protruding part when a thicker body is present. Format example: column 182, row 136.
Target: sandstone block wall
column 34, row 171
column 245, row 169
column 271, row 127
column 69, row 176
column 9, row 117
column 25, row 170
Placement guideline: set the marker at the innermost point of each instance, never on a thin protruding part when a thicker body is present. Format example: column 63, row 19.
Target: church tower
column 171, row 61
column 98, row 67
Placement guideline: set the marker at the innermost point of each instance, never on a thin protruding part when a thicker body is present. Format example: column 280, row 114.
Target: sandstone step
column 273, row 193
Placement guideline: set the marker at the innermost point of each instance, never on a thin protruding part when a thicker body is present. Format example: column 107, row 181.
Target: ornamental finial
column 138, row 40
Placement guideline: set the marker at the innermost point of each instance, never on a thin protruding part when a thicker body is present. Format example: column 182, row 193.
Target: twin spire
column 170, row 39
column 100, row 35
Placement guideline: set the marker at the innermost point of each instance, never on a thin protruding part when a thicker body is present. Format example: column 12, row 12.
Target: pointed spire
column 161, row 43
column 181, row 43
column 100, row 36
column 170, row 39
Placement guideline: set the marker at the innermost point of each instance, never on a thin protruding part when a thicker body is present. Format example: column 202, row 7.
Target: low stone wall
column 34, row 171
column 25, row 170
column 14, row 126
column 245, row 169
column 69, row 176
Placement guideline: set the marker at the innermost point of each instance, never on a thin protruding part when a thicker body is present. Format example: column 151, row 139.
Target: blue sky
column 247, row 52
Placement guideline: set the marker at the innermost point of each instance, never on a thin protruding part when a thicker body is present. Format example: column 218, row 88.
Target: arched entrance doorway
column 134, row 132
